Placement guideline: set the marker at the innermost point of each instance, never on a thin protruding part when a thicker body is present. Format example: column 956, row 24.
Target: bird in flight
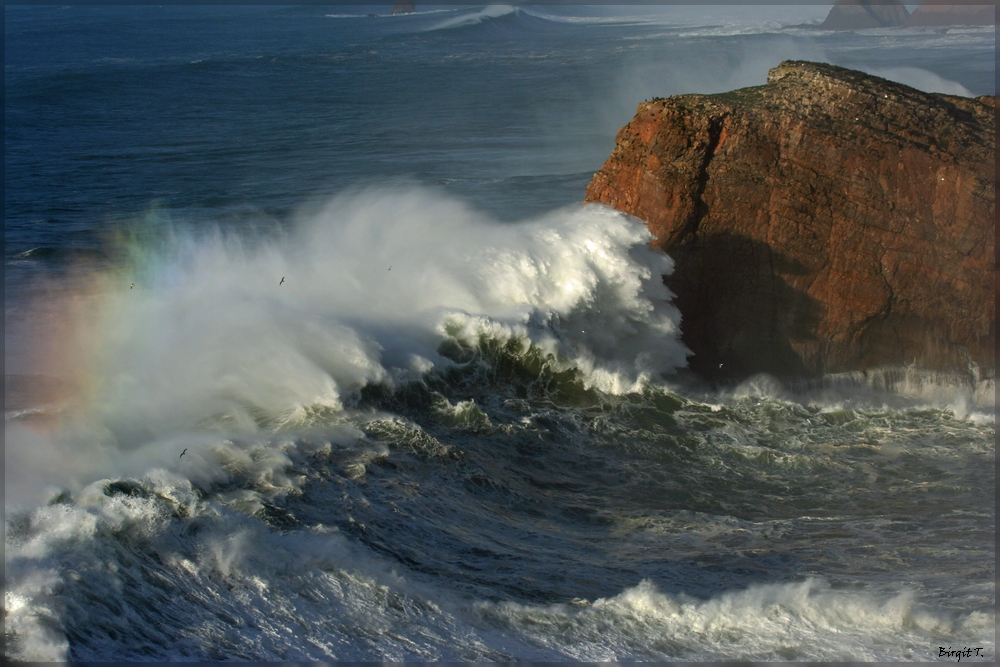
column 282, row 281
column 131, row 286
column 184, row 452
column 390, row 269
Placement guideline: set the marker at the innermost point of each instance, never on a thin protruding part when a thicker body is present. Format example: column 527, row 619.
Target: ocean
column 313, row 353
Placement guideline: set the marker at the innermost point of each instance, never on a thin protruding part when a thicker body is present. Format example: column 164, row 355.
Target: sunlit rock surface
column 827, row 221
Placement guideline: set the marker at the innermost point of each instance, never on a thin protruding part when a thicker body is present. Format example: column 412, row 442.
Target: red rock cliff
column 826, row 221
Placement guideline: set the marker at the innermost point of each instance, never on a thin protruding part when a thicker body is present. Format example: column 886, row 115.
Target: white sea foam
column 374, row 281
column 246, row 592
column 966, row 395
column 792, row 621
column 692, row 16
column 489, row 12
column 969, row 395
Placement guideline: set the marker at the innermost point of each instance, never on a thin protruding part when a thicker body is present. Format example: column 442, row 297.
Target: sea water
column 313, row 353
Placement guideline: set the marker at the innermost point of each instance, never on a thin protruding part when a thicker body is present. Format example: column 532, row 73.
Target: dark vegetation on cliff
column 827, row 221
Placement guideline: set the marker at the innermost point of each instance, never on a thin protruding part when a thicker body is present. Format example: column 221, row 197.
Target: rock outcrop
column 947, row 12
column 861, row 14
column 826, row 221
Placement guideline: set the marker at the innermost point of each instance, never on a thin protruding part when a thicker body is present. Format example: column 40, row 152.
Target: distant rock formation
column 403, row 8
column 946, row 12
column 861, row 14
column 827, row 221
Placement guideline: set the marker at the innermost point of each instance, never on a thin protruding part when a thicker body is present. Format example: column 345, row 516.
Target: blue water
column 454, row 431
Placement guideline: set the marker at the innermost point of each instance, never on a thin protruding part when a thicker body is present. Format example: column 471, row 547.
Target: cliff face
column 861, row 14
column 826, row 221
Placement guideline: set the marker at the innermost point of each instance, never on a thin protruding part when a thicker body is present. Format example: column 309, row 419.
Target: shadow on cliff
column 739, row 315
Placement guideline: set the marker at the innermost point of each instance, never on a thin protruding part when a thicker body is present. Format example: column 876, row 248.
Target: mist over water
column 365, row 290
column 313, row 353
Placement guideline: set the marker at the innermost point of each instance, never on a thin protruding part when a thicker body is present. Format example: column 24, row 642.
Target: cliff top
column 837, row 95
column 804, row 72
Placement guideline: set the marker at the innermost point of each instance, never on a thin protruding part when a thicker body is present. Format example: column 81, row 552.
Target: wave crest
column 488, row 13
column 218, row 332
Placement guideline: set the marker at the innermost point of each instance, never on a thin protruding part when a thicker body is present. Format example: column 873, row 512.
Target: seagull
column 390, row 269
column 132, row 285
column 720, row 365
column 282, row 281
column 183, row 453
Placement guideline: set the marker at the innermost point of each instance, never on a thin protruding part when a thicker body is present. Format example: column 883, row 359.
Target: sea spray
column 218, row 332
column 371, row 281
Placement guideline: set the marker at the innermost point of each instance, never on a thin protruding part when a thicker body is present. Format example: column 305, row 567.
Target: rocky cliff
column 861, row 14
column 826, row 221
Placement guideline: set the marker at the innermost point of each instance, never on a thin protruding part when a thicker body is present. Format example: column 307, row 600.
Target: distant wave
column 693, row 20
column 487, row 14
column 585, row 20
column 730, row 30
column 375, row 15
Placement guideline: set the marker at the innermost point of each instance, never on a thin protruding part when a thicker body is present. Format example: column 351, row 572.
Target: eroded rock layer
column 827, row 221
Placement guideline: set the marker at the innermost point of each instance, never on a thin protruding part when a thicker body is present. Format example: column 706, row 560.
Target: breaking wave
column 377, row 287
column 153, row 570
column 492, row 12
